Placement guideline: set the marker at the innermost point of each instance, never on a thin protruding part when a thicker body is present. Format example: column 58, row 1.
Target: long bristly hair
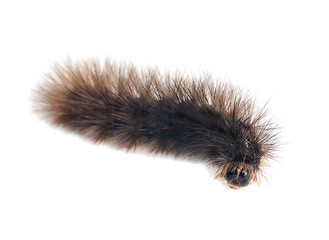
column 188, row 116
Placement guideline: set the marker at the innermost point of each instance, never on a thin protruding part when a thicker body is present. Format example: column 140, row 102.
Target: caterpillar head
column 241, row 161
column 237, row 179
column 242, row 165
column 241, row 176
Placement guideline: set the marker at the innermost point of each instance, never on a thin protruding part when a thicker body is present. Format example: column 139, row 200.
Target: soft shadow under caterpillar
column 169, row 113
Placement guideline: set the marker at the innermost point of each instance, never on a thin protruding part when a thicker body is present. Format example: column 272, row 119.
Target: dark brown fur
column 177, row 114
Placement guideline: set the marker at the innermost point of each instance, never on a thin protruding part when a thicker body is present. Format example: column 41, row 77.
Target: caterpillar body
column 188, row 116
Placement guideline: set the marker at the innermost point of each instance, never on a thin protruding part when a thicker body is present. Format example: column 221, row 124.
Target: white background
column 54, row 185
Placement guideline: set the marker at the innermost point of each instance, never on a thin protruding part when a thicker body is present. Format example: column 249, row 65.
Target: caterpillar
column 192, row 117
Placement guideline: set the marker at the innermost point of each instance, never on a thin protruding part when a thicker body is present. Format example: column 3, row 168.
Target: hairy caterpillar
column 192, row 117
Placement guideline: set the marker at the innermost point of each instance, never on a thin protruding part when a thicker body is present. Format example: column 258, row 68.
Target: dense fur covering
column 177, row 114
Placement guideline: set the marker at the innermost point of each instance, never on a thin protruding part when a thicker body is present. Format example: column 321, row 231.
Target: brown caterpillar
column 192, row 117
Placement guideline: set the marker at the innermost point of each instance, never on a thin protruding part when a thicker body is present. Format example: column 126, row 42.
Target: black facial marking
column 235, row 178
